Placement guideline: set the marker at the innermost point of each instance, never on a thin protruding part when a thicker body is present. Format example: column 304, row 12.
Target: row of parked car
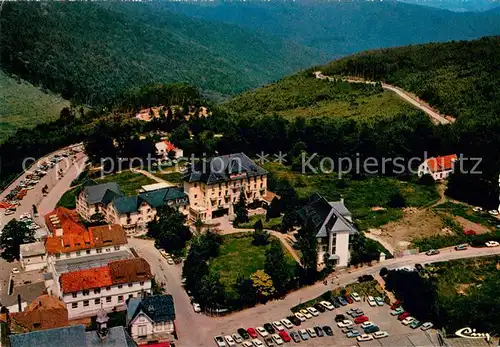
column 347, row 326
column 271, row 334
column 408, row 320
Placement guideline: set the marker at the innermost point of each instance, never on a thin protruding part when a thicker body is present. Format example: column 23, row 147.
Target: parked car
column 366, row 324
column 319, row 331
column 277, row 339
column 257, row 343
column 492, row 244
column 269, row 341
column 432, row 252
column 278, row 326
column 477, row 209
column 287, row 324
column 403, row 316
column 419, row 267
column 345, row 323
column 341, row 300
column 15, row 270
column 396, row 304
column 243, row 333
column 493, row 212
column 361, row 319
column 426, row 326
column 351, row 311
column 247, row 344
column 220, row 341
column 328, row 330
column 269, row 328
column 371, row 301
column 339, row 318
column 328, row 305
column 295, row 336
column 300, row 316
column 355, row 296
column 380, row 334
column 311, row 332
column 379, row 301
column 303, row 334
column 415, row 324
column 407, row 320
column 295, row 321
column 262, row 332
column 357, row 314
column 335, row 303
column 252, row 332
column 461, row 247
column 397, row 311
column 348, row 299
column 364, row 337
column 319, row 307
column 229, row 340
column 353, row 333
column 313, row 311
column 306, row 313
column 284, row 335
column 196, row 307
column 371, row 329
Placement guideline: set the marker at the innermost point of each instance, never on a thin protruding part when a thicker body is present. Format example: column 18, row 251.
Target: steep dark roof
column 326, row 216
column 101, row 193
column 61, row 337
column 117, row 337
column 222, row 168
column 160, row 308
column 156, row 198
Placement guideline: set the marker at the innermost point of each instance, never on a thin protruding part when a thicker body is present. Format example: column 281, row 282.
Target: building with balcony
column 332, row 222
column 94, row 198
column 85, row 292
column 213, row 186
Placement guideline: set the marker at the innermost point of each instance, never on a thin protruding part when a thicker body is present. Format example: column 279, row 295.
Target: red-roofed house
column 439, row 168
column 164, row 147
column 85, row 292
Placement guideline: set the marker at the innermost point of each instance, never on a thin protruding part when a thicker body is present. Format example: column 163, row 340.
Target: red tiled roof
column 45, row 312
column 170, row 146
column 116, row 272
column 159, row 344
column 75, row 236
column 108, row 235
column 85, row 279
column 441, row 163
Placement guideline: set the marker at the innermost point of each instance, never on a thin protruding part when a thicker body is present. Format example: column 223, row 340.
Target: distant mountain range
column 341, row 28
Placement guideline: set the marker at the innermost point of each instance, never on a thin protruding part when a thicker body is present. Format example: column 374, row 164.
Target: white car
column 426, row 326
column 380, row 334
column 407, row 320
column 492, row 244
column 328, row 305
column 287, row 323
column 220, row 341
column 247, row 344
column 313, row 311
column 355, row 296
column 229, row 340
column 477, row 209
column 170, row 261
column 366, row 324
column 277, row 324
column 277, row 339
column 9, row 212
column 196, row 307
column 262, row 332
column 15, row 270
column 257, row 343
column 493, row 212
column 364, row 337
column 345, row 324
column 371, row 301
column 306, row 313
column 237, row 338
column 311, row 332
column 300, row 316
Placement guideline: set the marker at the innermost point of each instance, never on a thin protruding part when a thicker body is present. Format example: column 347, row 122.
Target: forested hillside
column 91, row 51
column 346, row 27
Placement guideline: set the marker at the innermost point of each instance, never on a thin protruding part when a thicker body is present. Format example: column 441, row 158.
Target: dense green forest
column 90, row 52
column 345, row 27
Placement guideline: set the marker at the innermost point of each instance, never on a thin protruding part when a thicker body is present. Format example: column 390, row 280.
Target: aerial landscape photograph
column 250, row 173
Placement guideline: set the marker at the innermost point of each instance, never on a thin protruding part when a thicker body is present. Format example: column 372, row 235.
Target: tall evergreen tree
column 241, row 210
column 276, row 266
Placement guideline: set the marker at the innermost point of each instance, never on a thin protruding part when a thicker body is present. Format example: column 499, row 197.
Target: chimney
column 19, row 306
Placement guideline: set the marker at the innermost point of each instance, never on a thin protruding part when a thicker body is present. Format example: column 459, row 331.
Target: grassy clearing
column 360, row 195
column 273, row 223
column 129, row 182
column 22, row 105
column 172, row 177
column 68, row 199
column 466, row 212
column 239, row 257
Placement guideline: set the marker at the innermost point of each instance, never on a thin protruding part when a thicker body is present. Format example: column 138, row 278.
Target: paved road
column 207, row 327
column 401, row 93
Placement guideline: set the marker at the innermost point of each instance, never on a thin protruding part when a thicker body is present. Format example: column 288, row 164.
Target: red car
column 252, row 333
column 396, row 305
column 348, row 299
column 403, row 315
column 284, row 335
column 361, row 319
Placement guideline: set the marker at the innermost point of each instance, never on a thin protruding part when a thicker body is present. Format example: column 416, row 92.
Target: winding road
column 437, row 118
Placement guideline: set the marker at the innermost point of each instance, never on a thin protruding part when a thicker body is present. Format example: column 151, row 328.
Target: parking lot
column 399, row 334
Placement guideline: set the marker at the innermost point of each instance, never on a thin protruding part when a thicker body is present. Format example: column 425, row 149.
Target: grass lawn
column 239, row 257
column 68, row 199
column 23, row 105
column 360, row 195
column 128, row 181
column 173, row 177
column 466, row 212
column 273, row 223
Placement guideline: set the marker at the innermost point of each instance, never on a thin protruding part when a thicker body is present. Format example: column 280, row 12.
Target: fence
column 405, row 252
